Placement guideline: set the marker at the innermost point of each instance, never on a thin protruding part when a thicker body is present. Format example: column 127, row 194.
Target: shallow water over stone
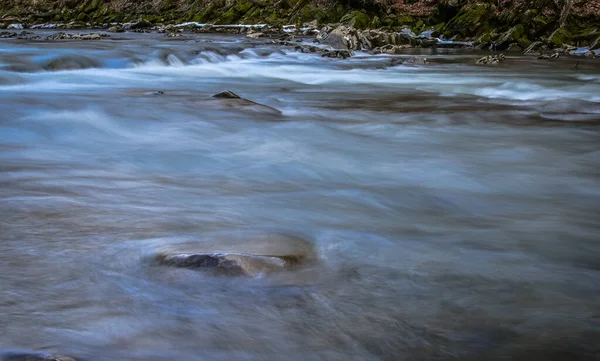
column 453, row 208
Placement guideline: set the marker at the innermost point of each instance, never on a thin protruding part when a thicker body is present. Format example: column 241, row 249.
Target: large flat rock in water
column 250, row 255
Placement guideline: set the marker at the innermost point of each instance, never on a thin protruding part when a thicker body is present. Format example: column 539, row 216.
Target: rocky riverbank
column 496, row 25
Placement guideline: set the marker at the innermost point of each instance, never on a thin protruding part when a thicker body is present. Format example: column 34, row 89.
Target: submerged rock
column 71, row 62
column 253, row 255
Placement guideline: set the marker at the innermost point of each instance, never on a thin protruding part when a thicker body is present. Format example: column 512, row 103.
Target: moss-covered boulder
column 356, row 19
column 560, row 37
column 513, row 35
column 472, row 21
column 235, row 12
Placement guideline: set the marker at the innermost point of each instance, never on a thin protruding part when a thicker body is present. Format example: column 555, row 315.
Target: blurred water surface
column 454, row 208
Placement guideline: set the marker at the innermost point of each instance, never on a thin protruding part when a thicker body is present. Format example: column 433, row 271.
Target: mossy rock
column 235, row 12
column 358, row 19
column 560, row 37
column 472, row 20
column 82, row 17
column 116, row 18
column 92, row 6
column 153, row 19
column 586, row 36
column 375, row 22
column 406, row 20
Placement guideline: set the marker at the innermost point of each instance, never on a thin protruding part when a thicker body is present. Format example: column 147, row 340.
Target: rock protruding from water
column 76, row 36
column 230, row 264
column 226, row 94
column 18, row 356
column 491, row 59
column 251, row 256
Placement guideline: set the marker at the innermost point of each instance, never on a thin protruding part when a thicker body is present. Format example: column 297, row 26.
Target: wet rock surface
column 20, row 356
column 232, row 100
column 243, row 255
column 76, row 36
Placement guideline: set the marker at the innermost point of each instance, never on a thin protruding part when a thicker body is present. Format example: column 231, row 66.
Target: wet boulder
column 226, row 94
column 342, row 37
column 232, row 100
column 251, row 255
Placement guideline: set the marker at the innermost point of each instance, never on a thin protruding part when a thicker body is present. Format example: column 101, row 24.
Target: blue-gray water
column 454, row 208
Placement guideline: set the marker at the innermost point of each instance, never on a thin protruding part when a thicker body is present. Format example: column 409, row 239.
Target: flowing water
column 454, row 208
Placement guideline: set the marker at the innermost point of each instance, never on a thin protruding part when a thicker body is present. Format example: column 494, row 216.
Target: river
column 454, row 208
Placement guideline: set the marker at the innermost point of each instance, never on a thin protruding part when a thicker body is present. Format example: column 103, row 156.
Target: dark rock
column 339, row 54
column 230, row 264
column 232, row 100
column 226, row 94
column 259, row 254
column 7, row 34
column 158, row 92
column 21, row 356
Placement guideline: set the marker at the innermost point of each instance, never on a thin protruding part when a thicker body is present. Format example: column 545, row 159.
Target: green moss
column 115, row 18
column 153, row 19
column 82, row 17
column 406, row 20
column 524, row 42
column 586, row 36
column 235, row 12
column 472, row 20
column 560, row 37
column 375, row 22
column 358, row 19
